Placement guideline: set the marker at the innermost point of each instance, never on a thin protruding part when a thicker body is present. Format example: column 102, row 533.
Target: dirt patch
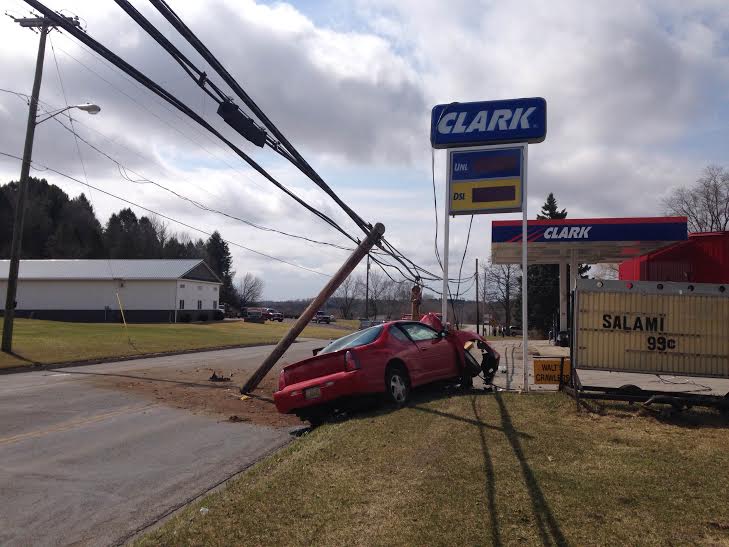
column 192, row 390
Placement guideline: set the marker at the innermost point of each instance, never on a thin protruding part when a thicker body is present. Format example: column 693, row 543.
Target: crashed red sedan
column 388, row 359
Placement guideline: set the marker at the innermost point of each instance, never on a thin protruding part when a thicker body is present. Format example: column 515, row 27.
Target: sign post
column 493, row 177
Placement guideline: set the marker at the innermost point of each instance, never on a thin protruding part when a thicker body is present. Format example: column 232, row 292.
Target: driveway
column 81, row 463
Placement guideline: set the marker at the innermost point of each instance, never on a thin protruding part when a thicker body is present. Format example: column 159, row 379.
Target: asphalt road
column 84, row 465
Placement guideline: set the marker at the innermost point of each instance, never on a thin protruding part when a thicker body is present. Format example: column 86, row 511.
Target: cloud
column 627, row 84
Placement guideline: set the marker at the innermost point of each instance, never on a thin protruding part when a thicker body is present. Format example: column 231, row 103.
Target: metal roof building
column 101, row 290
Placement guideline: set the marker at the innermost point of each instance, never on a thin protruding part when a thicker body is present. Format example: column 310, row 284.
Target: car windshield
column 359, row 338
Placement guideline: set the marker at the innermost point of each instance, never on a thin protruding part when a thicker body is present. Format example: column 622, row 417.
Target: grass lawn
column 479, row 469
column 55, row 342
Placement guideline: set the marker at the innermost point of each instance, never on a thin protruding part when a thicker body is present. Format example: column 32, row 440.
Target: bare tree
column 378, row 288
column 395, row 298
column 501, row 285
column 705, row 204
column 161, row 229
column 607, row 271
column 346, row 293
column 250, row 289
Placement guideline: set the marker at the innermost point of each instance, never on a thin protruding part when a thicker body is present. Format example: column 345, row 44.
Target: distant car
column 273, row 315
column 253, row 315
column 390, row 359
column 322, row 317
column 514, row 331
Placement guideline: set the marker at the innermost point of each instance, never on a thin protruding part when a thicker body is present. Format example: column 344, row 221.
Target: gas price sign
column 486, row 180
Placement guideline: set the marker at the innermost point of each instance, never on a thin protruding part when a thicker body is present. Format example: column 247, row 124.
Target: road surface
column 80, row 464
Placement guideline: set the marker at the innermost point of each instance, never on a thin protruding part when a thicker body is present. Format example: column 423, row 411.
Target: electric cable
column 163, row 93
column 144, row 180
column 41, row 167
column 294, row 156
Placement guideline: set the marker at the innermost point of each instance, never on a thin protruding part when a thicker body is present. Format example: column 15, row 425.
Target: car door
column 436, row 353
column 410, row 353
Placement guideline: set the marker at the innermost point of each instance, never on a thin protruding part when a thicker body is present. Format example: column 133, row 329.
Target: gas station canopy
column 584, row 241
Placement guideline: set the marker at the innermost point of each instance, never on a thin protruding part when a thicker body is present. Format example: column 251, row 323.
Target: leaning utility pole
column 45, row 26
column 372, row 238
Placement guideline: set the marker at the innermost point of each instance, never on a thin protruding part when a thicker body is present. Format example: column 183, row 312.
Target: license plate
column 312, row 393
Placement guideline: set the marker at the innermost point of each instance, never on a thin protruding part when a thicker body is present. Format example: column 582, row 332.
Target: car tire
column 397, row 385
column 466, row 382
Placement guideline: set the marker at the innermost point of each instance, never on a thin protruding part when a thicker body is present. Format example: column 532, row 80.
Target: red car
column 388, row 359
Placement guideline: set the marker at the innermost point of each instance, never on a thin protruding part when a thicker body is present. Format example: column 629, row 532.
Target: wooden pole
column 478, row 314
column 359, row 253
column 23, row 183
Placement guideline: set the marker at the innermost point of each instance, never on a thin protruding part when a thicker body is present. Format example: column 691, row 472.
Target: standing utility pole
column 367, row 289
column 45, row 26
column 478, row 314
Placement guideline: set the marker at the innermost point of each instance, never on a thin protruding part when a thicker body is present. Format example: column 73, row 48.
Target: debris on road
column 215, row 378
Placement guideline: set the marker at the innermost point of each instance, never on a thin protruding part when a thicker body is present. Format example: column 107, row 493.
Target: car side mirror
column 315, row 351
column 443, row 333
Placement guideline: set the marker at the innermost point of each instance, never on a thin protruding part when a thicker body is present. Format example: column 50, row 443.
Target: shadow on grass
column 490, row 484
column 18, row 356
column 549, row 530
column 694, row 418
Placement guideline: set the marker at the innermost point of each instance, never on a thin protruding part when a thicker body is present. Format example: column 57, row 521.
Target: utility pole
column 45, row 26
column 367, row 289
column 478, row 314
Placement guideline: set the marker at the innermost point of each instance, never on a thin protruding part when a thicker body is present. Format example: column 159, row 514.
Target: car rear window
column 359, row 338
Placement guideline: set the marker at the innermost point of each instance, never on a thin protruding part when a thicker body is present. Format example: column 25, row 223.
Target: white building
column 95, row 290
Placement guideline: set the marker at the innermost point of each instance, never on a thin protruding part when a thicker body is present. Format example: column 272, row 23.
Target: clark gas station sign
column 487, row 166
column 489, row 122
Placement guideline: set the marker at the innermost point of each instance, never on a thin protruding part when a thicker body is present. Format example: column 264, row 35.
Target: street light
column 9, row 315
column 92, row 109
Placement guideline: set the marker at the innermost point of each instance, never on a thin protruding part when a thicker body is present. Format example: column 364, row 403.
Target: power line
column 76, row 139
column 377, row 256
column 144, row 180
column 293, row 155
column 41, row 167
column 167, row 96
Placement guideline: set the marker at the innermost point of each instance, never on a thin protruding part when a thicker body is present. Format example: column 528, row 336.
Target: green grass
column 48, row 342
column 478, row 470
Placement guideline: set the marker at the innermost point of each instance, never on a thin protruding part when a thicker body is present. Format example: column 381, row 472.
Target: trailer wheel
column 631, row 389
column 725, row 409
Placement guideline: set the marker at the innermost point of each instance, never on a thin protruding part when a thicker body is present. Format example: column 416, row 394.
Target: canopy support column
column 563, row 296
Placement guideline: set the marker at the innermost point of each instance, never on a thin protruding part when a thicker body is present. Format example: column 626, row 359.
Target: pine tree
column 221, row 261
column 543, row 280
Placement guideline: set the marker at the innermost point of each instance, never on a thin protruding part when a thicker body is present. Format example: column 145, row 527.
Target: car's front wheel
column 397, row 385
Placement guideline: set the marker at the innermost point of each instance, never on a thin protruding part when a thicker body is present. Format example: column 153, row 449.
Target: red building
column 703, row 258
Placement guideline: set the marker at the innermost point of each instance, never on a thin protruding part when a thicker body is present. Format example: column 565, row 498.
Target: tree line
column 57, row 226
